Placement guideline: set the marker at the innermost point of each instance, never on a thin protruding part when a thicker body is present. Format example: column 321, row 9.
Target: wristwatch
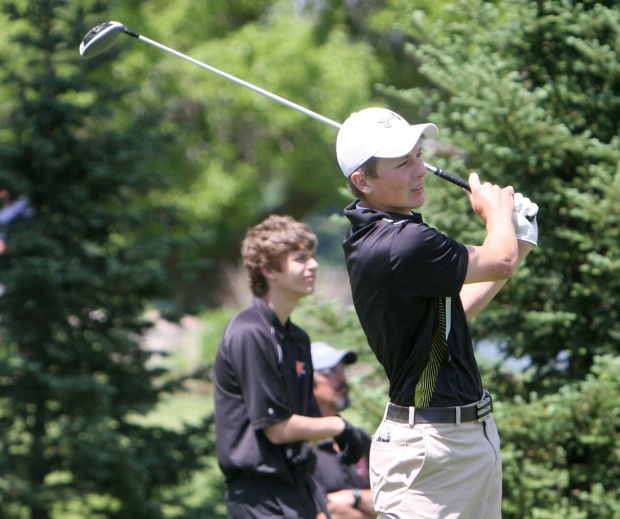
column 357, row 497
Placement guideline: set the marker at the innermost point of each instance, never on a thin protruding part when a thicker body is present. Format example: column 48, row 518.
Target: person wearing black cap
column 436, row 452
column 346, row 484
column 265, row 411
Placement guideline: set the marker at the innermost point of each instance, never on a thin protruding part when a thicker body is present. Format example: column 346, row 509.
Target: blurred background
column 138, row 175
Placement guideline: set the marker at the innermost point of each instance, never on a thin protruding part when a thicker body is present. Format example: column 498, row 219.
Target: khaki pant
column 433, row 471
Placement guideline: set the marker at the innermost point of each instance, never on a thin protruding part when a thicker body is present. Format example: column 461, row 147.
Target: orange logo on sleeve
column 300, row 368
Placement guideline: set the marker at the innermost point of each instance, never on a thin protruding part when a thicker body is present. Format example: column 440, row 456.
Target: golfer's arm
column 496, row 259
column 304, row 428
column 476, row 296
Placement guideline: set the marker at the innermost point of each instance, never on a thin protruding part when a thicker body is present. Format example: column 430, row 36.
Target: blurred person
column 346, row 484
column 266, row 414
column 436, row 453
column 13, row 209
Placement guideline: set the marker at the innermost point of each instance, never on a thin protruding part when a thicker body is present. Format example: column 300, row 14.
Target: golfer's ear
column 360, row 181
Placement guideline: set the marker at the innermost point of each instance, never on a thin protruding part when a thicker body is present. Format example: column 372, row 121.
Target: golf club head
column 100, row 38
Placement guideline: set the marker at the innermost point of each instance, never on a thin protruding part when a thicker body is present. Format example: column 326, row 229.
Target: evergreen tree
column 561, row 451
column 73, row 377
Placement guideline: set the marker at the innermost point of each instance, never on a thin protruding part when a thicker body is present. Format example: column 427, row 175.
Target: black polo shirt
column 263, row 375
column 398, row 268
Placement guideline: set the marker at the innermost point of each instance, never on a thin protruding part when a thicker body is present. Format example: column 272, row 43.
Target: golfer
column 265, row 410
column 436, row 453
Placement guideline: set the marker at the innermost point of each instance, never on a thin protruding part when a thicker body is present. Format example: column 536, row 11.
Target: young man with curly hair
column 265, row 410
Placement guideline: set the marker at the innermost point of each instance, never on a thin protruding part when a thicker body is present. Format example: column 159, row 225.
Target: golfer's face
column 399, row 184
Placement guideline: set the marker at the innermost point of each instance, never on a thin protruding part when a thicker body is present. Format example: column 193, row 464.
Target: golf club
column 101, row 38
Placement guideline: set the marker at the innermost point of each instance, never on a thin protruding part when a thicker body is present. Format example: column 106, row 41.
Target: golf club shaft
column 437, row 171
column 235, row 79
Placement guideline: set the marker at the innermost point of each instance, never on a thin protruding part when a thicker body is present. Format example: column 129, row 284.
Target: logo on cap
column 385, row 121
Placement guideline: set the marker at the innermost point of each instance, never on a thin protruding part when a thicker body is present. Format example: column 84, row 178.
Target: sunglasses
column 332, row 372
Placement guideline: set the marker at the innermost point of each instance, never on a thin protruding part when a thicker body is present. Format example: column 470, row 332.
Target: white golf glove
column 524, row 218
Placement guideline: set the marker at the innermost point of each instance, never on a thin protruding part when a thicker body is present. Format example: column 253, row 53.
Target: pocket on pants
column 397, row 455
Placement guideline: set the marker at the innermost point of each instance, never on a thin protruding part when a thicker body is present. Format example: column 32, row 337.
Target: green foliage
column 214, row 323
column 242, row 156
column 561, row 451
column 72, row 372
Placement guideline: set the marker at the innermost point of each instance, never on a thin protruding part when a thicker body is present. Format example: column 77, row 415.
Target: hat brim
column 331, row 357
column 350, row 357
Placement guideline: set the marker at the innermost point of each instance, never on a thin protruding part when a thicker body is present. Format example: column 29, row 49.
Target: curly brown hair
column 267, row 245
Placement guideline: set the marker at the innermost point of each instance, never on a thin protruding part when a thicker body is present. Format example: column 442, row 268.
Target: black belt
column 456, row 415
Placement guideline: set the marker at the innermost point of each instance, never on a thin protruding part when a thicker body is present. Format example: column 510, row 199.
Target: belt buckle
column 484, row 408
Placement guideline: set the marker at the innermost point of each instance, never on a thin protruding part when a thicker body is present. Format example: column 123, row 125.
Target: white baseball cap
column 377, row 132
column 325, row 356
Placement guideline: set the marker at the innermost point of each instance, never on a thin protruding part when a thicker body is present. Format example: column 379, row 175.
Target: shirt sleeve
column 254, row 362
column 427, row 263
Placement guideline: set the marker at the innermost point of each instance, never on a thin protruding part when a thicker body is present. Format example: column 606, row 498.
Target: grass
column 175, row 410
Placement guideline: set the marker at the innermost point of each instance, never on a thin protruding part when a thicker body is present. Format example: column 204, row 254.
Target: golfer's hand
column 491, row 202
column 524, row 219
column 350, row 443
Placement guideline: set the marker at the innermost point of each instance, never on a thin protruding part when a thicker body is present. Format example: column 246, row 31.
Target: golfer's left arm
column 476, row 296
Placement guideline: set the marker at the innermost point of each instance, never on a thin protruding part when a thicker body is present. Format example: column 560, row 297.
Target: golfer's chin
column 417, row 200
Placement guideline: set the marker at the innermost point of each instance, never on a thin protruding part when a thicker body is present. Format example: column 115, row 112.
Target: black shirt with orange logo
column 263, row 375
